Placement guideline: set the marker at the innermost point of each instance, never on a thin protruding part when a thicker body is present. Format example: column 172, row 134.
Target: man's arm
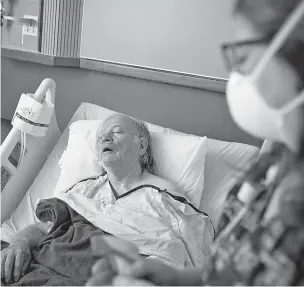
column 16, row 257
column 30, row 235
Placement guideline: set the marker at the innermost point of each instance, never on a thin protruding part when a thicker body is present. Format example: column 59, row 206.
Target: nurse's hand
column 102, row 273
column 124, row 280
column 143, row 273
column 156, row 272
column 14, row 261
column 160, row 273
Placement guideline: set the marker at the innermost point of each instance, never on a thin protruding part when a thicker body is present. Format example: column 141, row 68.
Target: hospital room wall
column 186, row 109
column 178, row 35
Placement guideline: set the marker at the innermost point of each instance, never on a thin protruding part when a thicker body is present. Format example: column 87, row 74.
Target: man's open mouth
column 107, row 149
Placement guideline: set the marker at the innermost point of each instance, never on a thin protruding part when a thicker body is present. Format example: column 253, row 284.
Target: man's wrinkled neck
column 122, row 175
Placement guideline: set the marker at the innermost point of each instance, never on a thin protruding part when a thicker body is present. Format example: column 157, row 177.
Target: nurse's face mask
column 248, row 107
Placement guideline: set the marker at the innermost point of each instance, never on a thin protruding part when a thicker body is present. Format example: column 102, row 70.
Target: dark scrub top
column 250, row 250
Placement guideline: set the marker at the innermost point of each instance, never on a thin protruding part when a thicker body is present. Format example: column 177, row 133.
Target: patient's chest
column 143, row 206
column 95, row 189
column 148, row 217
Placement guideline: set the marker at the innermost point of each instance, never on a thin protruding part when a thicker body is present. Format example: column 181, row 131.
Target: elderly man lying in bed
column 128, row 201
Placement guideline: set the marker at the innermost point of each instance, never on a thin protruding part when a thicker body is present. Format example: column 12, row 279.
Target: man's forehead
column 119, row 120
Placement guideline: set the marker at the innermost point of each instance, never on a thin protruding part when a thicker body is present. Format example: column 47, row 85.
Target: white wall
column 188, row 110
column 179, row 35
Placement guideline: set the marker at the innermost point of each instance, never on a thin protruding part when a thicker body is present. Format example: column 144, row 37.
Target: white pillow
column 178, row 159
column 182, row 161
column 224, row 165
column 79, row 160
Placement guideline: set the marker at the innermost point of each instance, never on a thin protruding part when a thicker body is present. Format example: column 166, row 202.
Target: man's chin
column 109, row 157
column 109, row 154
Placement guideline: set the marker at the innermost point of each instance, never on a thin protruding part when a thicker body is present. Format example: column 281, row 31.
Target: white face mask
column 249, row 109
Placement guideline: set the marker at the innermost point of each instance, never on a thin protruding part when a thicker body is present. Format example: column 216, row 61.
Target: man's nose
column 106, row 137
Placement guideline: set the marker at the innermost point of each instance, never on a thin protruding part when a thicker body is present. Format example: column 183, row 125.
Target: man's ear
column 143, row 145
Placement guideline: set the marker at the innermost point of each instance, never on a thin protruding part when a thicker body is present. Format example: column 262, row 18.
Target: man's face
column 117, row 141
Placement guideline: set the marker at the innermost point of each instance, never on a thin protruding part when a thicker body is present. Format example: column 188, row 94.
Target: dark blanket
column 63, row 257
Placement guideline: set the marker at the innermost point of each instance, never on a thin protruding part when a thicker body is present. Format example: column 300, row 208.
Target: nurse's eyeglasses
column 235, row 54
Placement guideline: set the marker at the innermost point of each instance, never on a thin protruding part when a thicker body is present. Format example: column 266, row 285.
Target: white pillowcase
column 79, row 160
column 179, row 159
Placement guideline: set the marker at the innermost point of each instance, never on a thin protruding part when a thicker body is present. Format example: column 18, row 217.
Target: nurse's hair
column 267, row 16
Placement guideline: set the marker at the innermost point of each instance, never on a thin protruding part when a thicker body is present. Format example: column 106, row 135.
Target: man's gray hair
column 146, row 160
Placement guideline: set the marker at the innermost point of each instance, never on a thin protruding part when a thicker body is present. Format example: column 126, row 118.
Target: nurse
column 260, row 238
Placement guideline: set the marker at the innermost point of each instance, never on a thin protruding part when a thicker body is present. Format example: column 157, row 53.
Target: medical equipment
column 32, row 116
column 24, row 143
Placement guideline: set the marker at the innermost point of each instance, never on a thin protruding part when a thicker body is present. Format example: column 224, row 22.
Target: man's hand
column 14, row 261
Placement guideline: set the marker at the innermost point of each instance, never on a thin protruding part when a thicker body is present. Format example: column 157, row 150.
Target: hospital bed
column 40, row 170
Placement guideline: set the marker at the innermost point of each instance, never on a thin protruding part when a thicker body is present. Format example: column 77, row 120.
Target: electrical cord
column 22, row 148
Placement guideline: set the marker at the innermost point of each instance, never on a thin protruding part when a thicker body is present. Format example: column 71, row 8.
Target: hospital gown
column 160, row 226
